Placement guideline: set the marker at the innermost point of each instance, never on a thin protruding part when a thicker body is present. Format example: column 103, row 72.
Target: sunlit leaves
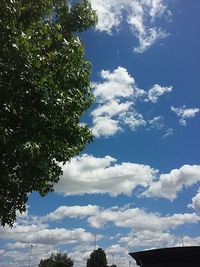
column 44, row 89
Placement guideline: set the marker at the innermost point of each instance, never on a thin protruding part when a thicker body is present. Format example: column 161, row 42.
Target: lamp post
column 95, row 236
column 29, row 263
column 113, row 258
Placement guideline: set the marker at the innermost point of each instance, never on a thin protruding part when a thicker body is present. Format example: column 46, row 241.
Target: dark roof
column 168, row 257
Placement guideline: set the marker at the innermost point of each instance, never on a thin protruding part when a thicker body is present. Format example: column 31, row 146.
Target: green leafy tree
column 57, row 260
column 97, row 259
column 44, row 90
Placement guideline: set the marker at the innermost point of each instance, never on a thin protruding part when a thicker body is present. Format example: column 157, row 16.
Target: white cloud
column 185, row 113
column 116, row 84
column 140, row 220
column 140, row 15
column 72, row 212
column 105, row 126
column 156, row 91
column 148, row 239
column 147, row 229
column 18, row 245
column 116, row 254
column 89, row 174
column 196, row 203
column 80, row 254
column 116, row 99
column 157, row 239
column 169, row 132
column 111, row 108
column 16, row 258
column 20, row 252
column 58, row 236
column 109, row 16
column 190, row 241
column 148, row 38
column 133, row 119
column 170, row 184
column 157, row 122
column 2, row 252
column 35, row 234
column 115, row 249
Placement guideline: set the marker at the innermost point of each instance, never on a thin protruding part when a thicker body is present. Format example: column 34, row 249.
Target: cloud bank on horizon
column 140, row 233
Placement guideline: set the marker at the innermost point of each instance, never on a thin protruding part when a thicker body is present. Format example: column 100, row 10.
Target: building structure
column 168, row 257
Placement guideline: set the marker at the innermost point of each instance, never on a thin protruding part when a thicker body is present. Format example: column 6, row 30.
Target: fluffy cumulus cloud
column 133, row 119
column 115, row 96
column 113, row 249
column 157, row 122
column 189, row 241
column 105, row 126
column 41, row 234
column 185, row 113
column 127, row 217
column 114, row 254
column 157, row 239
column 156, row 91
column 43, row 239
column 116, row 84
column 196, row 203
column 72, row 212
column 147, row 229
column 19, row 254
column 80, row 254
column 116, row 99
column 168, row 185
column 140, row 15
column 149, row 239
column 140, row 220
column 89, row 174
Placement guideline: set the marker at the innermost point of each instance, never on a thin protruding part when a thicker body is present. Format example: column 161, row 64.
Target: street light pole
column 95, row 235
column 113, row 256
column 29, row 263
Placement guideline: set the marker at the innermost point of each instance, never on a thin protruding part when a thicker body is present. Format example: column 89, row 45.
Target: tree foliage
column 57, row 260
column 44, row 89
column 97, row 259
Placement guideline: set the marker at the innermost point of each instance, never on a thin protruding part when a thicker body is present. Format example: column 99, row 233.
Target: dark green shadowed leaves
column 44, row 89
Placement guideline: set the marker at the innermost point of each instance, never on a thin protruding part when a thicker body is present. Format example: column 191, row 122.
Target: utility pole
column 182, row 237
column 113, row 256
column 29, row 263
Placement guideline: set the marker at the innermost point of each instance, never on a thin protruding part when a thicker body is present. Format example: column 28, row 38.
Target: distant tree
column 57, row 260
column 97, row 259
column 44, row 90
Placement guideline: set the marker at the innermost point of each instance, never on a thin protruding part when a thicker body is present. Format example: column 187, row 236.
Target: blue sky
column 137, row 186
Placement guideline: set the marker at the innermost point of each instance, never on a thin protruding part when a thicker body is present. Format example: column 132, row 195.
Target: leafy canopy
column 44, row 90
column 57, row 260
column 97, row 259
